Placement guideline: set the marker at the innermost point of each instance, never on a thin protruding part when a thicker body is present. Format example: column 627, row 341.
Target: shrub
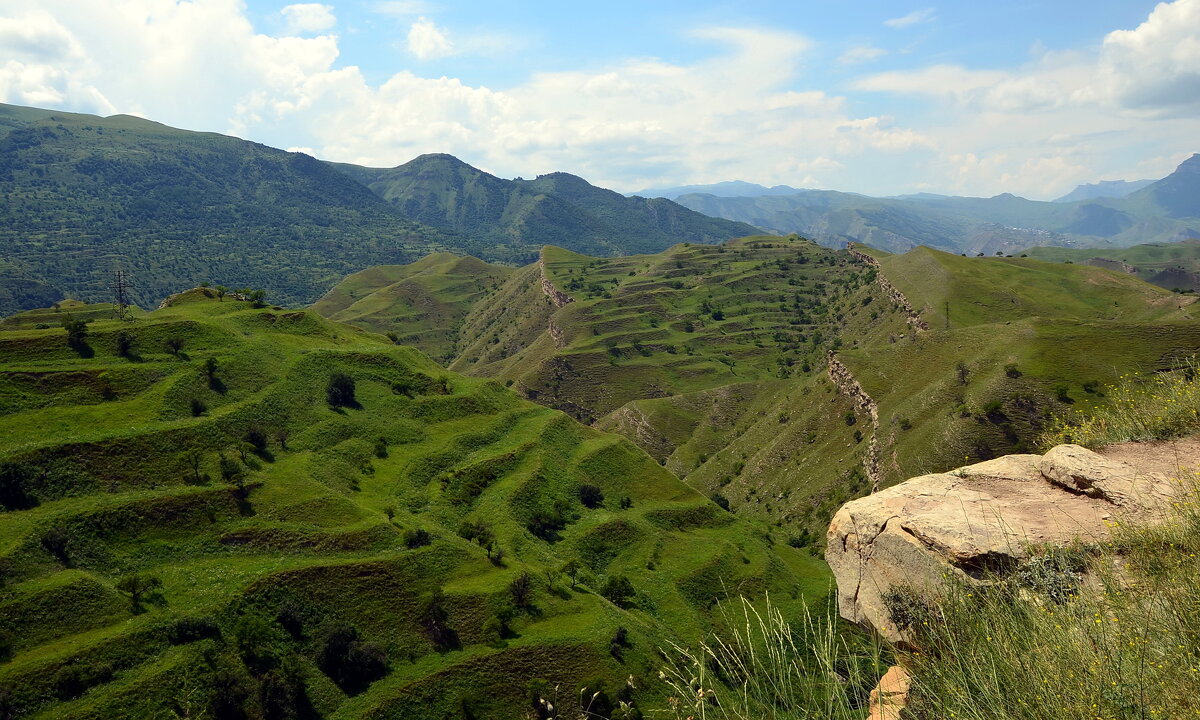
column 1011, row 370
column 417, row 537
column 198, row 407
column 348, row 660
column 340, row 390
column 591, row 496
column 15, row 479
column 124, row 344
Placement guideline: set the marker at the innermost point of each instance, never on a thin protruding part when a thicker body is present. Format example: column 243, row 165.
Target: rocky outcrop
column 890, row 696
column 911, row 316
column 557, row 297
column 977, row 520
column 847, row 385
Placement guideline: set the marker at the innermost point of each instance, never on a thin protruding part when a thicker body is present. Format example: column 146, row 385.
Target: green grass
column 108, row 472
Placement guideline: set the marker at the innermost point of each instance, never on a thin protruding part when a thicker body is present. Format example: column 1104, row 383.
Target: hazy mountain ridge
column 728, row 188
column 1104, row 189
column 1165, row 210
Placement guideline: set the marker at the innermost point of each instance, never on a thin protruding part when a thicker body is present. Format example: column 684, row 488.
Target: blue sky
column 873, row 97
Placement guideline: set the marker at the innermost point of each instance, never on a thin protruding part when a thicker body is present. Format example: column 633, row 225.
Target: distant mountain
column 1104, row 189
column 1166, row 210
column 729, row 188
column 81, row 194
column 523, row 215
column 1176, row 196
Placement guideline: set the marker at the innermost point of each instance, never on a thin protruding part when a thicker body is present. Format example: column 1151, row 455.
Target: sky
column 873, row 96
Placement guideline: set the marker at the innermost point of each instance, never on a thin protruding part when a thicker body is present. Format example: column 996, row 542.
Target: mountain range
column 1166, row 210
column 81, row 194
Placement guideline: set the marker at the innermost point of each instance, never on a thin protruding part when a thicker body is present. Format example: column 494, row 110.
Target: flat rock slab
column 979, row 519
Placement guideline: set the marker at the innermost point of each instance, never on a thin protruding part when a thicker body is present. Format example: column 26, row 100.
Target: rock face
column 978, row 519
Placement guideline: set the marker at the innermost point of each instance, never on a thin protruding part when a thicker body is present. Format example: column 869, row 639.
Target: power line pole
column 120, row 288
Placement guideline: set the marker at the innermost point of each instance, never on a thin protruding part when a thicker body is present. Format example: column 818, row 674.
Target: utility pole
column 120, row 289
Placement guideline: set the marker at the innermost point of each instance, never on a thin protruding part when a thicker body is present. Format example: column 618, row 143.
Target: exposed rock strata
column 557, row 297
column 847, row 385
column 911, row 316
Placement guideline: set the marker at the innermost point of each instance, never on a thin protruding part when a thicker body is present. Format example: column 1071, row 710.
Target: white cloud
column 916, row 17
column 861, row 54
column 1155, row 66
column 427, row 41
column 743, row 110
column 304, row 18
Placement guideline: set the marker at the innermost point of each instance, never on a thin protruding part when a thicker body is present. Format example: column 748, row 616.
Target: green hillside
column 1175, row 266
column 217, row 510
column 80, row 194
column 715, row 360
column 422, row 304
column 522, row 215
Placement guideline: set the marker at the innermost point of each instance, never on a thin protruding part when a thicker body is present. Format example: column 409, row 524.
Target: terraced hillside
column 782, row 378
column 218, row 510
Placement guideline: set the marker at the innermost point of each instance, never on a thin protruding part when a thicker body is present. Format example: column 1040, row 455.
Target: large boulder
column 978, row 520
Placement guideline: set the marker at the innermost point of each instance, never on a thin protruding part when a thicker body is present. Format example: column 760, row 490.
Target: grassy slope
column 713, row 406
column 429, row 299
column 107, row 439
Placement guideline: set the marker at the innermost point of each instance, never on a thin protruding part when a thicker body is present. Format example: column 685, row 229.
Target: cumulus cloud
column 740, row 111
column 916, row 17
column 1155, row 66
column 427, row 41
column 304, row 18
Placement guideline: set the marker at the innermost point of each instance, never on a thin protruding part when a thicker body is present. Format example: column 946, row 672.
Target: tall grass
column 763, row 667
column 1137, row 407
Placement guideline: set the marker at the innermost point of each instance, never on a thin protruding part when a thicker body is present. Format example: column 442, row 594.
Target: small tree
column 174, row 345
column 618, row 590
column 194, row 457
column 963, row 372
column 340, row 390
column 521, row 590
column 198, row 407
column 257, row 298
column 210, row 368
column 77, row 332
column 281, row 437
column 221, row 291
column 140, row 588
column 572, row 569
